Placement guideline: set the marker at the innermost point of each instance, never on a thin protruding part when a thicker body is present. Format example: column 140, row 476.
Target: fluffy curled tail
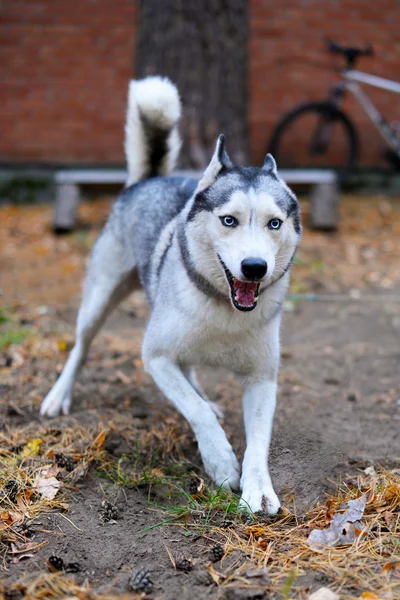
column 152, row 140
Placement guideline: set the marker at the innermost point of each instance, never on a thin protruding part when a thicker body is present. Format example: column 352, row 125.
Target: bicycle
column 317, row 141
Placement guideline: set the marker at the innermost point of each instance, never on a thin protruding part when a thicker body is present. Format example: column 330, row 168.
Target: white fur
column 187, row 327
column 211, row 172
column 157, row 99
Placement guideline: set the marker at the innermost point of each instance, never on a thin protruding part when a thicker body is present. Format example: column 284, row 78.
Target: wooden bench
column 324, row 196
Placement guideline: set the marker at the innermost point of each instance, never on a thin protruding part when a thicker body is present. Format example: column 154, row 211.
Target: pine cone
column 141, row 582
column 64, row 462
column 109, row 512
column 216, row 553
column 196, row 486
column 226, row 523
column 55, row 563
column 11, row 489
column 184, row 564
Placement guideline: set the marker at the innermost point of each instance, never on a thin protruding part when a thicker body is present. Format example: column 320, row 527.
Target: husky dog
column 213, row 257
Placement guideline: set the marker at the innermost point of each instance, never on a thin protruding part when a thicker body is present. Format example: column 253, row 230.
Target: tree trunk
column 202, row 48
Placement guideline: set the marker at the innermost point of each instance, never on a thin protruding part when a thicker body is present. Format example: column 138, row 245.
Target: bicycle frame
column 351, row 83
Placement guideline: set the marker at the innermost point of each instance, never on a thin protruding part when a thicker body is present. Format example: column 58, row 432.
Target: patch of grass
column 25, row 456
column 288, row 585
column 13, row 336
column 4, row 316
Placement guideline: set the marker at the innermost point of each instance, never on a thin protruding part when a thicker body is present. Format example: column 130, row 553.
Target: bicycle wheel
column 317, row 135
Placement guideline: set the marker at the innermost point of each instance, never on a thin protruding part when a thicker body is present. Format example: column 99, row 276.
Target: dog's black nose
column 254, row 268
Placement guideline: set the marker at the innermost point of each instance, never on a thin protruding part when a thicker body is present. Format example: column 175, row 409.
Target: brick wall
column 65, row 68
column 288, row 33
column 63, row 79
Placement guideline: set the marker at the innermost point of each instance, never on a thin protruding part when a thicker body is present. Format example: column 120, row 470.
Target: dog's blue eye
column 275, row 224
column 229, row 221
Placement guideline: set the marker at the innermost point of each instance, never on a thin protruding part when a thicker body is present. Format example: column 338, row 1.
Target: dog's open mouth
column 244, row 294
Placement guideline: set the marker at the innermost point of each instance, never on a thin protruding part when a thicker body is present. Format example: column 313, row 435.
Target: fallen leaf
column 369, row 596
column 22, row 504
column 392, row 495
column 122, row 377
column 215, row 576
column 78, row 473
column 323, row 593
column 32, row 448
column 255, row 530
column 99, row 441
column 390, row 566
column 6, row 517
column 370, row 471
column 47, row 486
column 390, row 519
column 360, row 532
column 342, row 529
column 50, row 470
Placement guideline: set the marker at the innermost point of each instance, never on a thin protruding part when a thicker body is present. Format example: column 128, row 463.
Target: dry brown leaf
column 99, row 441
column 390, row 519
column 122, row 377
column 22, row 505
column 50, row 470
column 215, row 576
column 6, row 517
column 392, row 495
column 342, row 529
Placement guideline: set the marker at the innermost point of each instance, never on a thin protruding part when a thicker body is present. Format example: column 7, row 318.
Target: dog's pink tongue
column 245, row 292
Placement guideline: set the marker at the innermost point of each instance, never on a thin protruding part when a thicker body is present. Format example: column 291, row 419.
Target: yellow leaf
column 369, row 596
column 65, row 345
column 32, row 448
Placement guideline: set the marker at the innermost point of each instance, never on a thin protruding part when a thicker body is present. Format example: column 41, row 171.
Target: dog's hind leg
column 191, row 376
column 111, row 276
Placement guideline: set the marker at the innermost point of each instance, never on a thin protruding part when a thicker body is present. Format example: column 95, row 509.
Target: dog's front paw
column 221, row 464
column 56, row 401
column 259, row 499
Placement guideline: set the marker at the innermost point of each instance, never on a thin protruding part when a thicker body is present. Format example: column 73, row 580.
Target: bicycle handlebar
column 350, row 53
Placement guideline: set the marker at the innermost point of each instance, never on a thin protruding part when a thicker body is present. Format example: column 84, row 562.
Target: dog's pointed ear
column 270, row 165
column 220, row 161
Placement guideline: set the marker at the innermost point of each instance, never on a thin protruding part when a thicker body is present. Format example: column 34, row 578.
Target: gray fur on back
column 141, row 213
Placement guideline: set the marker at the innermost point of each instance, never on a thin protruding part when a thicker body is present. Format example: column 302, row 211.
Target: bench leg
column 66, row 207
column 324, row 212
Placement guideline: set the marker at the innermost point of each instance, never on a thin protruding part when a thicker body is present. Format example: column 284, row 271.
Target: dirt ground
column 338, row 414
